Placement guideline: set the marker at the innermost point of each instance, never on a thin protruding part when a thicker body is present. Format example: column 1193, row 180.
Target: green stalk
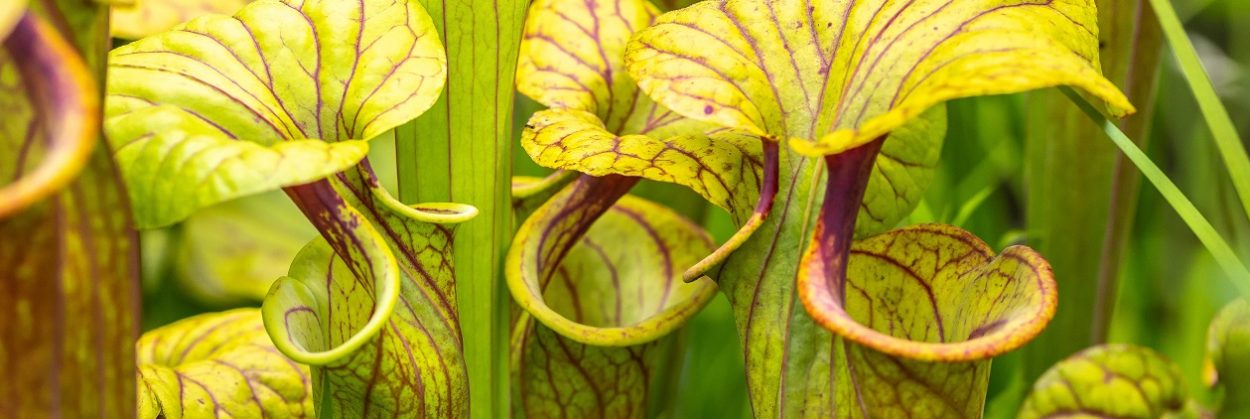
column 1138, row 74
column 1081, row 196
column 461, row 151
column 1219, row 249
column 1213, row 111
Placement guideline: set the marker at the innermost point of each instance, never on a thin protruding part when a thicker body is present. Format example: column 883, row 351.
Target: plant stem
column 1223, row 253
column 461, row 151
column 1081, row 199
column 1213, row 111
column 1139, row 72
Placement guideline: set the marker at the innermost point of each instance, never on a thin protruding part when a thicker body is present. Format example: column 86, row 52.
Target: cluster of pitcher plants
column 816, row 126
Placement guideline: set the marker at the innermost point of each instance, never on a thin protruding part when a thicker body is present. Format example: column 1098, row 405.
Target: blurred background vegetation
column 1169, row 287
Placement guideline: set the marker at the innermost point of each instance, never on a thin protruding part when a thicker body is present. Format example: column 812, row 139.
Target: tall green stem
column 1210, row 238
column 1081, row 194
column 1137, row 47
column 461, row 150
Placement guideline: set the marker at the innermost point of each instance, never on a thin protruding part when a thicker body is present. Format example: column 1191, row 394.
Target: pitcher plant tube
column 219, row 363
column 286, row 95
column 759, row 106
column 69, row 286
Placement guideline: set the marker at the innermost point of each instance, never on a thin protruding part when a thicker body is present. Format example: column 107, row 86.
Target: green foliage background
column 1170, row 286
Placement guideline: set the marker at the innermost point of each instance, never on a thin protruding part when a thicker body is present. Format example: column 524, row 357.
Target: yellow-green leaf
column 372, row 305
column 931, row 293
column 530, row 193
column 317, row 69
column 843, row 80
column 925, row 309
column 572, row 60
column 572, row 57
column 601, row 282
column 229, row 254
column 141, row 18
column 832, row 76
column 554, row 376
column 723, row 166
column 903, row 171
column 174, row 167
column 1228, row 357
column 277, row 75
column 219, row 364
column 610, row 282
column 1115, row 380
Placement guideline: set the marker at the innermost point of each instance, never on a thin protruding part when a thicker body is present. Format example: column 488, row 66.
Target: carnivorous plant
column 816, row 127
column 828, row 116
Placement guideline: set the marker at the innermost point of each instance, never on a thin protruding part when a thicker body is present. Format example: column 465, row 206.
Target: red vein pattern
column 219, row 365
column 372, row 304
column 227, row 70
column 830, row 78
column 1114, row 380
column 413, row 364
column 557, row 377
column 835, row 74
column 593, row 340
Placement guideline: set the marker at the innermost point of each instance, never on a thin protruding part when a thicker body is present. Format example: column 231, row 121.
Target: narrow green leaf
column 1224, row 255
column 969, row 207
column 1081, row 195
column 1217, row 118
column 219, row 364
column 1116, row 380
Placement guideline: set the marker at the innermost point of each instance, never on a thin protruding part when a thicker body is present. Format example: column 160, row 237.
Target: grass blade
column 1223, row 253
column 1213, row 111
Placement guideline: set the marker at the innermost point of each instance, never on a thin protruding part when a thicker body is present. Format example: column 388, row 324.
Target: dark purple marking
column 986, row 328
column 848, row 173
column 591, row 197
column 707, row 110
